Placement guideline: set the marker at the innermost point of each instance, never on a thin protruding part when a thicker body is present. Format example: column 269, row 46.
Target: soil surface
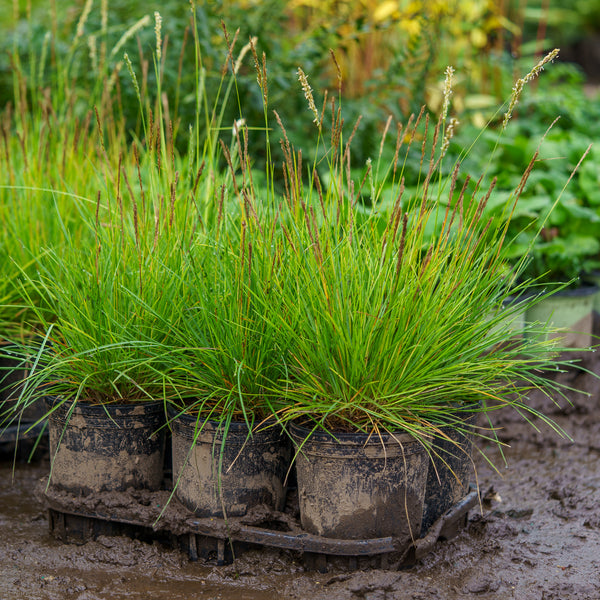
column 537, row 538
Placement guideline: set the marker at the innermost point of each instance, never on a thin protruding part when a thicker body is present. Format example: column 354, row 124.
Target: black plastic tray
column 220, row 540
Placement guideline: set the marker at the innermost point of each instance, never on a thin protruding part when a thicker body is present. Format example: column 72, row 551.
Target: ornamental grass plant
column 112, row 304
column 113, row 279
column 234, row 357
column 45, row 167
column 395, row 315
column 48, row 145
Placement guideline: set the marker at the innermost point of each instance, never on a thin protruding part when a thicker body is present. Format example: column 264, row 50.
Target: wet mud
column 536, row 537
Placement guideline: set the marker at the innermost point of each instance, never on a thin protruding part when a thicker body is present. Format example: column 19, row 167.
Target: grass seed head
column 103, row 15
column 245, row 49
column 309, row 96
column 83, row 19
column 158, row 33
column 93, row 51
column 447, row 92
column 132, row 74
column 141, row 23
column 520, row 84
column 448, row 135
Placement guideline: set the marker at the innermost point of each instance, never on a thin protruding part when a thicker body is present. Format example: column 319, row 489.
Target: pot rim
column 102, row 408
column 185, row 424
column 305, row 434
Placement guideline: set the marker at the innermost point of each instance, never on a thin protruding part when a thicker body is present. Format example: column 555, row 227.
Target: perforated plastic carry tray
column 136, row 514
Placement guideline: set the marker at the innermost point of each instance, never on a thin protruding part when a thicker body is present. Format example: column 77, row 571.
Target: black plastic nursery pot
column 225, row 474
column 360, row 486
column 449, row 473
column 571, row 311
column 111, row 447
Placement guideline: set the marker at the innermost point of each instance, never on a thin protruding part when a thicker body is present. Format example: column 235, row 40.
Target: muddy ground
column 538, row 537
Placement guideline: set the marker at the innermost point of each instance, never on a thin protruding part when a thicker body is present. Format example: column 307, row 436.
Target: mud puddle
column 537, row 539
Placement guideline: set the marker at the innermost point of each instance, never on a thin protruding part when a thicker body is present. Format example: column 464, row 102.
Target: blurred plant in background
column 390, row 55
column 562, row 114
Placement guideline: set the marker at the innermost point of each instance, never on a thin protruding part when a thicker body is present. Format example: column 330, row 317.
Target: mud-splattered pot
column 451, row 469
column 356, row 486
column 224, row 474
column 112, row 447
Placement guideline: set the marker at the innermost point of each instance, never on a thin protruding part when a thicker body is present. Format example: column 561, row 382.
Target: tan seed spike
column 158, row 32
column 448, row 135
column 447, row 92
column 243, row 52
column 520, row 84
column 83, row 19
column 309, row 96
column 143, row 22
